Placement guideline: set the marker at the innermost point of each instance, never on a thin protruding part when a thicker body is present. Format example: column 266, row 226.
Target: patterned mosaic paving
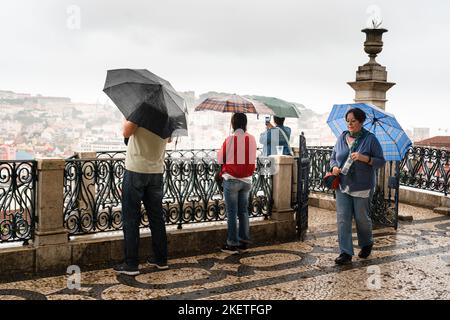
column 410, row 263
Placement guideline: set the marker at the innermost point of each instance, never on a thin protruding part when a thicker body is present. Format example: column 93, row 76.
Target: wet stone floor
column 410, row 263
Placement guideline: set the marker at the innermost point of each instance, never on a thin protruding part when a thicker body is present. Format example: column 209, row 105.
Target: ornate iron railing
column 92, row 192
column 422, row 168
column 301, row 172
column 111, row 154
column 17, row 200
column 199, row 153
column 384, row 203
column 93, row 188
column 319, row 165
column 427, row 169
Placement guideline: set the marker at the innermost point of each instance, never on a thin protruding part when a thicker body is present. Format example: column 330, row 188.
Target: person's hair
column 279, row 121
column 357, row 113
column 239, row 121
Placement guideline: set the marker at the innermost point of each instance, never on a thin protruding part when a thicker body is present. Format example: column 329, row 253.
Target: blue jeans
column 348, row 207
column 236, row 194
column 147, row 188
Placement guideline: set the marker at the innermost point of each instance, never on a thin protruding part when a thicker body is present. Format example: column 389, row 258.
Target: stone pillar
column 371, row 84
column 282, row 192
column 51, row 238
column 371, row 79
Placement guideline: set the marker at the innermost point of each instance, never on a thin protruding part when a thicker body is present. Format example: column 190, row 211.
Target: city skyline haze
column 300, row 51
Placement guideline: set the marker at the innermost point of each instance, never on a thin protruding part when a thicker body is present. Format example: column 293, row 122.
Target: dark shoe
column 229, row 249
column 159, row 265
column 343, row 259
column 242, row 248
column 126, row 269
column 365, row 251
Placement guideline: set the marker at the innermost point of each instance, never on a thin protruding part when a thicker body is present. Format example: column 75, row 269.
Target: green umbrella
column 281, row 108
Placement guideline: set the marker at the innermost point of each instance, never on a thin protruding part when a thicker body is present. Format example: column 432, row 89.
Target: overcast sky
column 302, row 51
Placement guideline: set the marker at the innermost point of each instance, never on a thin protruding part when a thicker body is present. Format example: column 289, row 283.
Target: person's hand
column 269, row 125
column 356, row 156
column 129, row 128
column 336, row 171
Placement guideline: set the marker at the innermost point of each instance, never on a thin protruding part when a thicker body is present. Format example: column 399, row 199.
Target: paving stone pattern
column 410, row 263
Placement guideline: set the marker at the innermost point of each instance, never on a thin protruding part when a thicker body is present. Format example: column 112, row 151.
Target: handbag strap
column 287, row 141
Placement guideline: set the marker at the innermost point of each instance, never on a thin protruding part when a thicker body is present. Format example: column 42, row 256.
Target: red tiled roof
column 436, row 142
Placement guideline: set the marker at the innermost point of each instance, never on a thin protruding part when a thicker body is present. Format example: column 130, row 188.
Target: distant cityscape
column 35, row 126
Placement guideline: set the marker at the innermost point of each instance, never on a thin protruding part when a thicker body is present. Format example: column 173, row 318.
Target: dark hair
column 357, row 113
column 279, row 121
column 239, row 121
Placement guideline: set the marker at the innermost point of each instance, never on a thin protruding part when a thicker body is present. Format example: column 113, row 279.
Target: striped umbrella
column 383, row 125
column 235, row 104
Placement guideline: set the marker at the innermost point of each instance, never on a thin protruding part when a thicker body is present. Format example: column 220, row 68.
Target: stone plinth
column 282, row 182
column 51, row 238
column 282, row 193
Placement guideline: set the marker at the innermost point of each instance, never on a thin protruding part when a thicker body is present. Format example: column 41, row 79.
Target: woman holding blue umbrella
column 355, row 157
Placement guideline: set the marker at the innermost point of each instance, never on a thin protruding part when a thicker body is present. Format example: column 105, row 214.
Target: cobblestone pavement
column 410, row 263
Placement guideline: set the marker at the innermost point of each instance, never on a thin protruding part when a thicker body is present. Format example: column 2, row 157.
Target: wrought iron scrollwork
column 111, row 154
column 319, row 165
column 427, row 169
column 383, row 208
column 92, row 195
column 260, row 197
column 93, row 188
column 190, row 192
column 17, row 200
column 300, row 179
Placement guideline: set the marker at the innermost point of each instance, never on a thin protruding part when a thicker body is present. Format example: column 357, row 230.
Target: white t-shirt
column 145, row 152
column 227, row 176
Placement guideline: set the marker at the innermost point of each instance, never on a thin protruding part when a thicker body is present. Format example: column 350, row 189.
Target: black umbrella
column 147, row 100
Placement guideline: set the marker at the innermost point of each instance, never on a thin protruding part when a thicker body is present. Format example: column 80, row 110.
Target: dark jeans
column 147, row 188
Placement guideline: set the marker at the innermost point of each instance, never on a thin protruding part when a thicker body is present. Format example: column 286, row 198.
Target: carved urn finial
column 374, row 44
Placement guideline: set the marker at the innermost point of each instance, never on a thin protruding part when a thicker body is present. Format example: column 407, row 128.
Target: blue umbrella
column 393, row 139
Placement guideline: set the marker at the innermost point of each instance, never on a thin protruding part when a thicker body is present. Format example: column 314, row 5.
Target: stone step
column 442, row 210
column 403, row 217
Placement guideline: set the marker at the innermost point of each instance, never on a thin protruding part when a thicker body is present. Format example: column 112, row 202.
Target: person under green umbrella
column 280, row 108
column 276, row 137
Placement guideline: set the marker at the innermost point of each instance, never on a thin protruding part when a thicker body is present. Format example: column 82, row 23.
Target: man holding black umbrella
column 143, row 181
column 154, row 112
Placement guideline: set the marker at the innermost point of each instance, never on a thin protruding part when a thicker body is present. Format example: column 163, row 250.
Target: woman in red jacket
column 238, row 159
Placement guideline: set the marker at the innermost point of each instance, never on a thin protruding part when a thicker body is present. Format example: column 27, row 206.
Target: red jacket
column 238, row 155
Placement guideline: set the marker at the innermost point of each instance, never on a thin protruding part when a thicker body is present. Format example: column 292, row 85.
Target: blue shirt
column 266, row 140
column 362, row 175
